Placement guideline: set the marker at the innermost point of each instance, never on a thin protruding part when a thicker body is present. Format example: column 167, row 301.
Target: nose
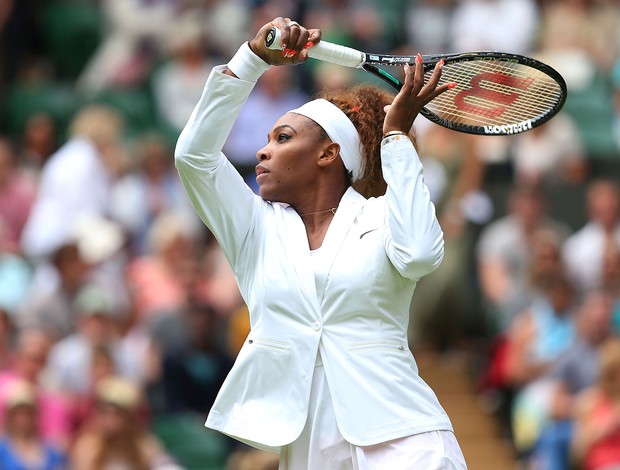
column 262, row 154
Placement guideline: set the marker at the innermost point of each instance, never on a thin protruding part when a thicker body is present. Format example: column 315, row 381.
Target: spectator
column 537, row 339
column 509, row 25
column 49, row 304
column 426, row 25
column 22, row 447
column 163, row 279
column 504, row 255
column 71, row 359
column 552, row 153
column 596, row 442
column 194, row 364
column 352, row 23
column 15, row 276
column 76, row 181
column 17, row 195
column 178, row 84
column 575, row 371
column 38, row 143
column 135, row 34
column 582, row 28
column 140, row 197
column 6, row 340
column 541, row 333
column 584, row 251
column 28, row 362
column 216, row 284
column 114, row 437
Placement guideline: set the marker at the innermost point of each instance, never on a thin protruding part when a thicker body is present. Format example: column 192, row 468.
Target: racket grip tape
column 325, row 51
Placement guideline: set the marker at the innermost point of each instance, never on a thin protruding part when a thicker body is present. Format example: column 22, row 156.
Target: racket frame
column 349, row 57
column 372, row 61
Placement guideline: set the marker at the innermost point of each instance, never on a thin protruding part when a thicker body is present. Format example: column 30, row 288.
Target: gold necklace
column 332, row 210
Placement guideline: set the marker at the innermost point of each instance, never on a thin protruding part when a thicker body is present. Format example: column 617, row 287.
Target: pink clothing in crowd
column 55, row 423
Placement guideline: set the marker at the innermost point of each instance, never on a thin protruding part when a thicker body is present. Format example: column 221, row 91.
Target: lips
column 261, row 170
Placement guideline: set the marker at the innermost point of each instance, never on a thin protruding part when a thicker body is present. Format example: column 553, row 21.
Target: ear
column 330, row 154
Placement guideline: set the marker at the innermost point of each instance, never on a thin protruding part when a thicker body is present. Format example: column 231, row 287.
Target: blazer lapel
column 348, row 209
column 299, row 251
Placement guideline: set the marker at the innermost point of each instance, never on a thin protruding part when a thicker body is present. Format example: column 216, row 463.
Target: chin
column 269, row 195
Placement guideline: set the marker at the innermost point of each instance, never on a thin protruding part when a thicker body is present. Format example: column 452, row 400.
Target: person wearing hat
column 22, row 447
column 114, row 438
column 327, row 257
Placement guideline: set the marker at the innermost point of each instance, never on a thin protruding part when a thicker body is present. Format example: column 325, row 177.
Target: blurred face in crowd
column 6, row 162
column 604, row 204
column 40, row 136
column 31, row 354
column 21, row 421
column 97, row 328
column 71, row 267
column 545, row 253
column 111, row 420
column 155, row 159
column 561, row 296
column 528, row 207
column 278, row 81
column 595, row 317
column 610, row 367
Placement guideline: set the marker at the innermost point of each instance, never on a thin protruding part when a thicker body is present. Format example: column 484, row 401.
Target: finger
column 285, row 32
column 407, row 89
column 434, row 80
column 418, row 79
column 438, row 91
column 315, row 36
column 409, row 77
column 302, row 41
column 294, row 31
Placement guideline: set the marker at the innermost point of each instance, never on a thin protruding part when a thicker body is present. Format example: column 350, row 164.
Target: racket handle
column 325, row 51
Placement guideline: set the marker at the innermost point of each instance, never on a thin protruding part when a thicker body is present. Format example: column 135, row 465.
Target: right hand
column 294, row 37
column 413, row 96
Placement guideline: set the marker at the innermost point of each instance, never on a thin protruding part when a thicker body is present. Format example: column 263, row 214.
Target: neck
column 322, row 201
column 332, row 210
column 318, row 207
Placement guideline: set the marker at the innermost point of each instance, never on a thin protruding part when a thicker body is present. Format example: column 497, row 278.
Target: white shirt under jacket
column 378, row 248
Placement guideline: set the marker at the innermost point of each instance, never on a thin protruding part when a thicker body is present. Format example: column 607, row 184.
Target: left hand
column 413, row 96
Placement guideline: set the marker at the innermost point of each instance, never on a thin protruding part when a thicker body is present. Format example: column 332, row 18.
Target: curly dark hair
column 363, row 105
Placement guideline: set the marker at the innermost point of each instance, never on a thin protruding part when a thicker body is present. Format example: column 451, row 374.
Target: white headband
column 340, row 129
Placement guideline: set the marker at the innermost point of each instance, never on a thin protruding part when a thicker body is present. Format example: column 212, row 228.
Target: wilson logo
column 501, row 99
column 509, row 129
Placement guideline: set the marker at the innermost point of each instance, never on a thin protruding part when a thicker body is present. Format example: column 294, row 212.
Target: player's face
column 287, row 166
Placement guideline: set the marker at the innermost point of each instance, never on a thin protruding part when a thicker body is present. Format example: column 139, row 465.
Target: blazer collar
column 299, row 250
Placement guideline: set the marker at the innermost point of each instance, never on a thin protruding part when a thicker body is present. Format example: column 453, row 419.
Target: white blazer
column 378, row 249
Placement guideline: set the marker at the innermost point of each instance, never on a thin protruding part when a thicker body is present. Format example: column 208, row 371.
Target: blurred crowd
column 119, row 315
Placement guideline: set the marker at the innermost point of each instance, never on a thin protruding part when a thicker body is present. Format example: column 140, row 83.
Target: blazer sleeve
column 413, row 239
column 218, row 193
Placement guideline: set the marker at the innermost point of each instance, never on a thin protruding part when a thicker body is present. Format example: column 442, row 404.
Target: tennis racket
column 497, row 93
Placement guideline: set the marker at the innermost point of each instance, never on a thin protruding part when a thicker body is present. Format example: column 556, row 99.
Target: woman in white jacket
column 325, row 376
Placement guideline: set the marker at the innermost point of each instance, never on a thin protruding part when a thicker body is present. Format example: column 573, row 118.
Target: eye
column 283, row 137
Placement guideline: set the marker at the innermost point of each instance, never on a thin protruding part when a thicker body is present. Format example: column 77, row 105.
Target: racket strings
column 494, row 93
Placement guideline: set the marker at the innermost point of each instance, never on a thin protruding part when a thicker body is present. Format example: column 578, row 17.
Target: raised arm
column 415, row 239
column 218, row 193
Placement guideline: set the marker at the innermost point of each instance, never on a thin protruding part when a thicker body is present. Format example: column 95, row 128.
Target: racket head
column 497, row 93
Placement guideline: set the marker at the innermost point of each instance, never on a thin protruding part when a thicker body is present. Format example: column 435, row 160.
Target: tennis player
column 325, row 376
